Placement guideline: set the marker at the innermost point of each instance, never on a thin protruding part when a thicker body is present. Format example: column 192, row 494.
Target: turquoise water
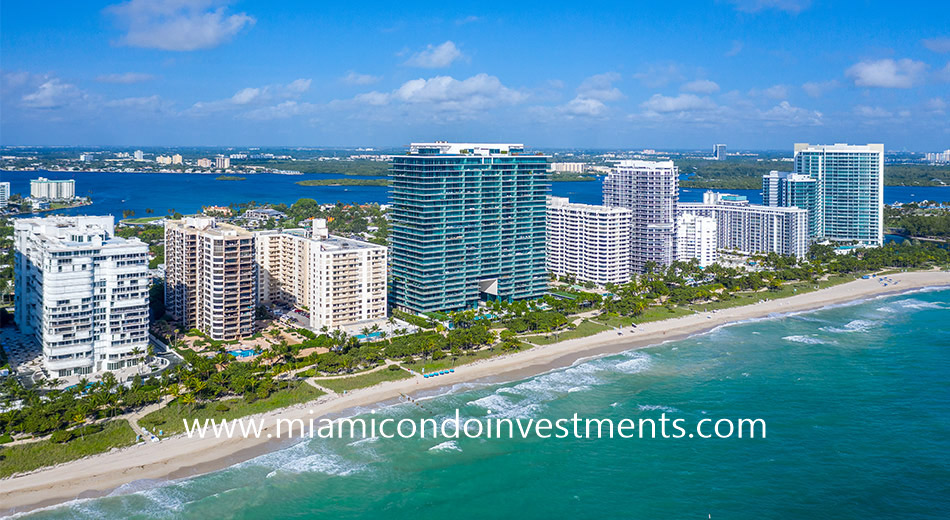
column 856, row 399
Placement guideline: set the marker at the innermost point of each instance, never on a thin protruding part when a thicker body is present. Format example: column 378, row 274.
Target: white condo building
column 82, row 293
column 849, row 203
column 750, row 228
column 590, row 242
column 696, row 237
column 222, row 162
column 340, row 281
column 43, row 188
column 569, row 167
column 650, row 190
column 4, row 194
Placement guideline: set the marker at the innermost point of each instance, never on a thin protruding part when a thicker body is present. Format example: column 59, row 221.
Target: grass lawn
column 584, row 329
column 352, row 383
column 27, row 457
column 169, row 418
column 140, row 220
column 787, row 290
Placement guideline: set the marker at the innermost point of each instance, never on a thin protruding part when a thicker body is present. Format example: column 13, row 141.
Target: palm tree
column 80, row 419
column 189, row 399
column 137, row 354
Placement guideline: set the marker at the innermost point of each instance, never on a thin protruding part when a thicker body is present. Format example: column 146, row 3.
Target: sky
column 754, row 74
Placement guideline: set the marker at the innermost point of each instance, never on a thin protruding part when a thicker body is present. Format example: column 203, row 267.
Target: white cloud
column 246, row 95
column 435, row 57
column 126, row 77
column 447, row 94
column 817, row 89
column 657, row 76
column 254, row 96
column 682, row 103
column 943, row 74
column 354, row 78
column 701, row 86
column 373, row 98
column 153, row 103
column 937, row 44
column 789, row 6
column 936, row 105
column 585, row 107
column 282, row 110
column 468, row 19
column 735, row 49
column 297, row 86
column 887, row 73
column 786, row 114
column 177, row 25
column 600, row 87
column 776, row 92
column 871, row 112
column 51, row 94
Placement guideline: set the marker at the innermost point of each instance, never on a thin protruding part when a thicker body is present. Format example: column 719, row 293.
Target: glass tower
column 788, row 189
column 468, row 225
column 849, row 201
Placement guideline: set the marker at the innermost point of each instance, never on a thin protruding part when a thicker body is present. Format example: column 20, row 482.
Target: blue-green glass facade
column 850, row 188
column 467, row 228
column 787, row 189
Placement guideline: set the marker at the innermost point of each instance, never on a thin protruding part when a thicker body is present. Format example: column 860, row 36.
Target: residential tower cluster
column 471, row 222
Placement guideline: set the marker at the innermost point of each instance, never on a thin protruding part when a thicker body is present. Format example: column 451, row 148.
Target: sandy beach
column 180, row 457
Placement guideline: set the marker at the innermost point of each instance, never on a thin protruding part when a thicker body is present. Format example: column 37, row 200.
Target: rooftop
column 446, row 148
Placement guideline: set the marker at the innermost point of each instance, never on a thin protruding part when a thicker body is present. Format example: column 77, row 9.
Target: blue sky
column 756, row 74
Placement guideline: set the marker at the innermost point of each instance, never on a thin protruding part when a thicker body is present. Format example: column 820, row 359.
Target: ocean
column 165, row 193
column 856, row 400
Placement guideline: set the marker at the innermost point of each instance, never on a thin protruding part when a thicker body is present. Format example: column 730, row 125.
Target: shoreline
column 180, row 457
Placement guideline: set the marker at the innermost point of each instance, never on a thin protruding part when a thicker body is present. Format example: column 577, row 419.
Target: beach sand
column 181, row 457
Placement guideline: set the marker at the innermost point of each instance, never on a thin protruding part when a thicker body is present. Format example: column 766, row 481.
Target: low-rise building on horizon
column 43, row 188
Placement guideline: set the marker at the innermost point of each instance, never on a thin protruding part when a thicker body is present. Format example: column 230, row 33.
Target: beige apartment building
column 340, row 281
column 211, row 277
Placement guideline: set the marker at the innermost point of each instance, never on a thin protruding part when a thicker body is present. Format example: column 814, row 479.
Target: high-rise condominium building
column 569, row 167
column 749, row 228
column 43, row 188
column 204, row 163
column 787, row 189
column 4, row 194
column 341, row 281
column 163, row 159
column 649, row 190
column 222, row 162
column 138, row 155
column 938, row 157
column 849, row 202
column 592, row 243
column 211, row 277
column 696, row 237
column 176, row 159
column 719, row 152
column 82, row 293
column 468, row 225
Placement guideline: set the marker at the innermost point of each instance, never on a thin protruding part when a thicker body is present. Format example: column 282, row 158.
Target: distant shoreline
column 180, row 457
